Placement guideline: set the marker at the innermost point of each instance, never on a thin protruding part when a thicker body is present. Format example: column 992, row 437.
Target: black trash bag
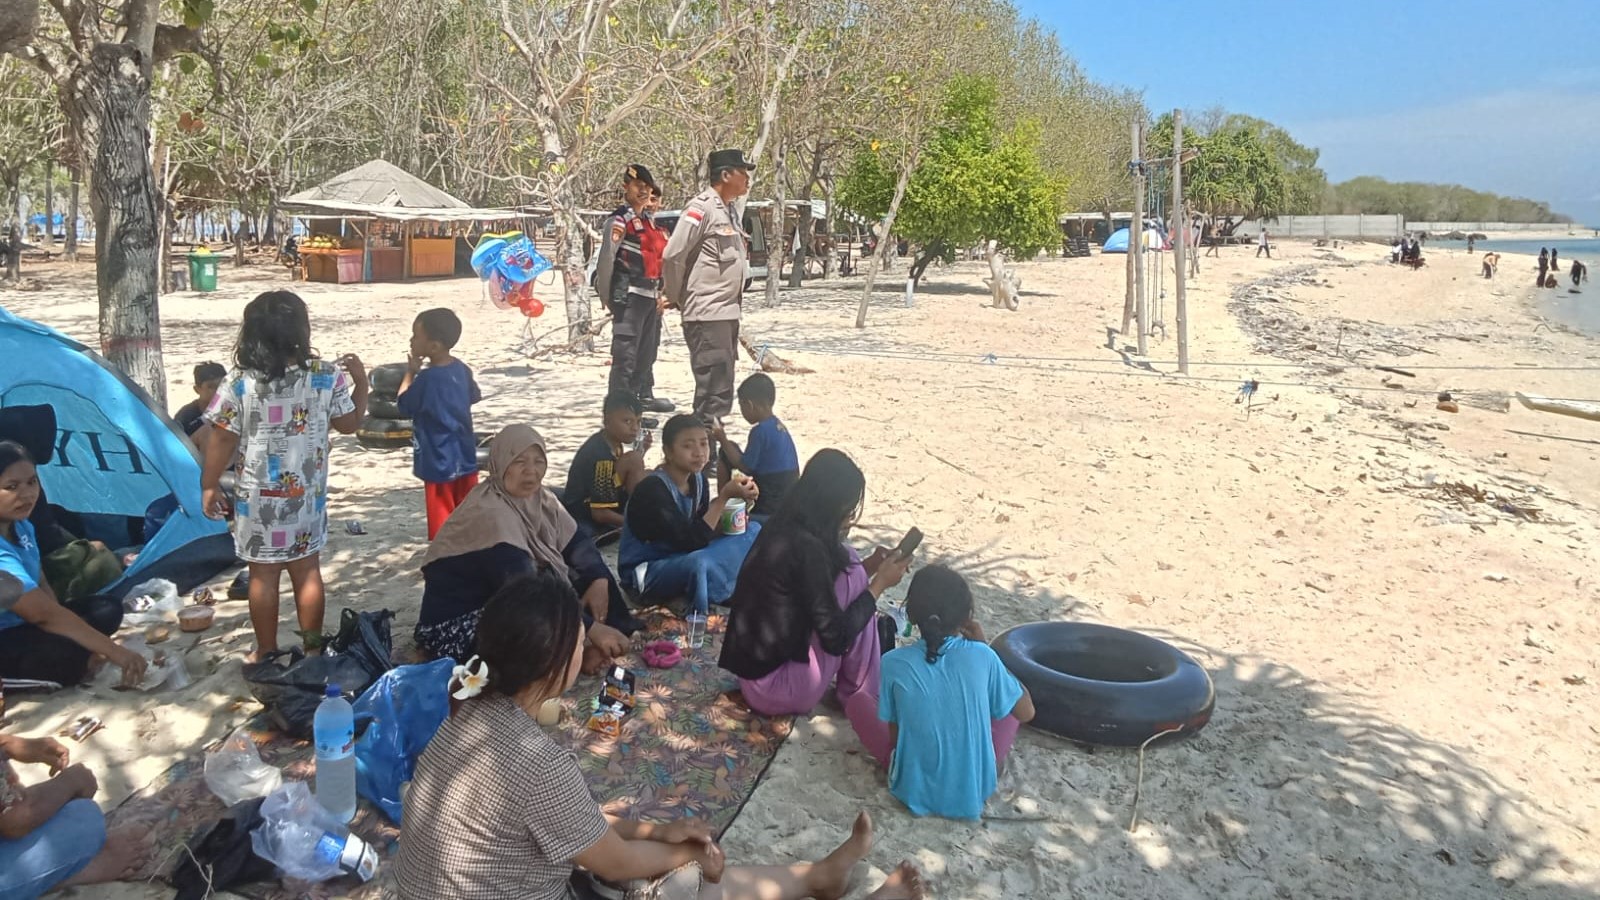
column 220, row 857
column 291, row 685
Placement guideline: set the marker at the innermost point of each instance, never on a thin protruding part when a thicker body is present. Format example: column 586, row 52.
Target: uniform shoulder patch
column 694, row 214
column 616, row 231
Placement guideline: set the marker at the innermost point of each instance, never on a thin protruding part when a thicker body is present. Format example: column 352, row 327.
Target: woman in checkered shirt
column 499, row 811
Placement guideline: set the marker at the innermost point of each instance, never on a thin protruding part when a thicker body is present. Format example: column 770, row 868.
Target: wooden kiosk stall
column 378, row 222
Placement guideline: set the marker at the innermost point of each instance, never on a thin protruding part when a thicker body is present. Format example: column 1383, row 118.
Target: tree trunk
column 238, row 238
column 575, row 288
column 1002, row 283
column 923, row 260
column 806, row 228
column 271, row 235
column 72, row 216
column 884, row 241
column 115, row 118
column 14, row 230
column 49, row 203
column 777, row 252
column 830, row 263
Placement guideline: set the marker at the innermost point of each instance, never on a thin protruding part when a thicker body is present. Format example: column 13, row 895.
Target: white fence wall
column 1349, row 228
column 1447, row 227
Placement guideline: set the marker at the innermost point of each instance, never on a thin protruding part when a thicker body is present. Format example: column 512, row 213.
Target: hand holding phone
column 909, row 543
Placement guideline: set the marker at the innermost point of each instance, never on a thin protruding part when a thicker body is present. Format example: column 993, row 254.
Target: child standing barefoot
column 276, row 409
column 953, row 709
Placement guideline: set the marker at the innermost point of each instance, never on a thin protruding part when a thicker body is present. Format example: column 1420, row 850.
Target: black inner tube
column 1107, row 662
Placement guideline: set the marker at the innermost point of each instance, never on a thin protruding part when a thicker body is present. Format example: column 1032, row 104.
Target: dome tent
column 115, row 453
column 1118, row 241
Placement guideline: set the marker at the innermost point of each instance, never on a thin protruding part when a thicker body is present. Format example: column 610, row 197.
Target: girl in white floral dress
column 275, row 410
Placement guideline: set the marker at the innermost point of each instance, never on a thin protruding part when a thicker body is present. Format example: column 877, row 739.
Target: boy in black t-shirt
column 607, row 467
column 207, row 378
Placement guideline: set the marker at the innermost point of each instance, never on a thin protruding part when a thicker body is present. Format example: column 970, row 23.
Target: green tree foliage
column 1236, row 173
column 974, row 182
column 1305, row 184
column 1420, row 202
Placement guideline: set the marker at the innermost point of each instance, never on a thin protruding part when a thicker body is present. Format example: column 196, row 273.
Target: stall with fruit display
column 377, row 222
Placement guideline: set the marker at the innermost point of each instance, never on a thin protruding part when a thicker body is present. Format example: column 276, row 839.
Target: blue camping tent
column 1118, row 241
column 115, row 452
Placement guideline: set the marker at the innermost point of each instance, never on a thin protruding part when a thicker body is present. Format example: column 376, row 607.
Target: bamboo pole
column 1181, row 220
column 1128, row 298
column 1141, row 300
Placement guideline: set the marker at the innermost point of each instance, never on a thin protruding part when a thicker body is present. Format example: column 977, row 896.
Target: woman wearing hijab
column 512, row 525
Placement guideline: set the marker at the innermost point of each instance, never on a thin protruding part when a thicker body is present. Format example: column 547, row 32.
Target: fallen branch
column 1395, row 371
column 593, row 331
column 770, row 361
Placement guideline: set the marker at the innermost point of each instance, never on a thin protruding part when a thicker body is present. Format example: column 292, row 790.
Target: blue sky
column 1502, row 96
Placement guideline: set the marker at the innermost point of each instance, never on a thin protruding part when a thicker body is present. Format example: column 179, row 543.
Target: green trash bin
column 202, row 273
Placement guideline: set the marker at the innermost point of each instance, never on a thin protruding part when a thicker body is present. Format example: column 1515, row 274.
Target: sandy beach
column 1395, row 602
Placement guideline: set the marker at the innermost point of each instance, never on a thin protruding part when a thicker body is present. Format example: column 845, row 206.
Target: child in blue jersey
column 769, row 455
column 438, row 401
column 952, row 707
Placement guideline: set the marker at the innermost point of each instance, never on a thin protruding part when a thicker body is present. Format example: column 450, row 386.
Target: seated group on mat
column 514, row 578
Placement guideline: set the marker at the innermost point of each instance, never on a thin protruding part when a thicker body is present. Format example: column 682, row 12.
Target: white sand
column 1390, row 722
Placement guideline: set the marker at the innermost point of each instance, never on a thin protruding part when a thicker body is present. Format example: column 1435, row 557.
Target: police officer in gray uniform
column 703, row 274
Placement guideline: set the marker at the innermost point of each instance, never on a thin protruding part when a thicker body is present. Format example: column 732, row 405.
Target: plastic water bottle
column 300, row 837
column 334, row 730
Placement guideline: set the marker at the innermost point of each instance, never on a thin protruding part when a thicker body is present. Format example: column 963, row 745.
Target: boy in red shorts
column 438, row 400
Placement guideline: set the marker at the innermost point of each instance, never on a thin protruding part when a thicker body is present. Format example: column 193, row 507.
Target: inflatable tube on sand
column 1107, row 686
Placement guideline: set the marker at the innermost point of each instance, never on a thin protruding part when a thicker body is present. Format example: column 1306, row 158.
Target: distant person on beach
column 1491, row 264
column 1580, row 273
column 1544, row 265
column 1213, row 242
column 1555, row 261
column 1262, row 245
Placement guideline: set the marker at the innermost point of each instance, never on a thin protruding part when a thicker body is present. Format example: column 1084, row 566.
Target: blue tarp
column 116, row 453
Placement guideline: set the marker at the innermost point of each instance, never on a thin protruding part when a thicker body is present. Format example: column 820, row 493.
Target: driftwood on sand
column 1590, row 411
column 1004, row 284
column 770, row 361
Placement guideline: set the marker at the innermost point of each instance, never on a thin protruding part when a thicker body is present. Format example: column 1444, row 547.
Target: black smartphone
column 909, row 543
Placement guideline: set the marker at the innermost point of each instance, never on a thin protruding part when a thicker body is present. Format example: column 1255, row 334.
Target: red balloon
column 531, row 307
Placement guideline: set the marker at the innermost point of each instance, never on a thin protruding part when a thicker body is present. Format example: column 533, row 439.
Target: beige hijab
column 490, row 516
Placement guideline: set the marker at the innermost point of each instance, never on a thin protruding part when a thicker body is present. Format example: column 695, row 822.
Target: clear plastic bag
column 306, row 841
column 236, row 771
column 152, row 603
column 165, row 669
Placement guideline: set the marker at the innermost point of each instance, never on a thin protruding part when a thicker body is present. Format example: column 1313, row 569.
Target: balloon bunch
column 508, row 264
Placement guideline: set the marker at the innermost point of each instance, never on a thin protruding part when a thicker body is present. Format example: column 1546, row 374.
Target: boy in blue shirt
column 769, row 456
column 952, row 706
column 438, row 401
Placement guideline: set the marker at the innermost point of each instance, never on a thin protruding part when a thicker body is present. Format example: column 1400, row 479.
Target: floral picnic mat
column 686, row 750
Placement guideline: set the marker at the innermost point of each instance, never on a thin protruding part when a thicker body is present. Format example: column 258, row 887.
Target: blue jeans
column 703, row 577
column 53, row 852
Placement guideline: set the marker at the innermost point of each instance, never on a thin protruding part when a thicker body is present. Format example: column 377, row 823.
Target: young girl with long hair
column 275, row 411
column 952, row 707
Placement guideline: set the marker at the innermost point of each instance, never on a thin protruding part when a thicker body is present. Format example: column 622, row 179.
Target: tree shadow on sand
column 1296, row 789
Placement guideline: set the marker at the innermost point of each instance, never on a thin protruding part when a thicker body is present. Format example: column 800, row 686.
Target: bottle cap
column 331, row 690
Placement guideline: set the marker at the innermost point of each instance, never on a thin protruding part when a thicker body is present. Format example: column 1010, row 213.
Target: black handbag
column 291, row 685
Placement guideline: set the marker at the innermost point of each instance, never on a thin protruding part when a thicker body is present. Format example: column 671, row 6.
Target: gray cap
column 10, row 591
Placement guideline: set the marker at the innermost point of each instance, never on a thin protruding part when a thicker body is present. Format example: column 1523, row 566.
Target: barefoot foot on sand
column 830, row 878
column 904, row 883
column 124, row 854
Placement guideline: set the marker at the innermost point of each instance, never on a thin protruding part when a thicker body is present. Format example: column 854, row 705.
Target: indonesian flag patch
column 694, row 214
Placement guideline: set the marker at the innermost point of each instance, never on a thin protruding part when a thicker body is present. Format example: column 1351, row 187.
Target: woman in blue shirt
column 39, row 637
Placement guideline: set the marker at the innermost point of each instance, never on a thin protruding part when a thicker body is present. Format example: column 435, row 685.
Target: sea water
column 1579, row 311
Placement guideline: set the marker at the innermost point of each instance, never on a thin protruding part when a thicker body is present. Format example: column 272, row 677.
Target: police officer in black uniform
column 629, row 292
